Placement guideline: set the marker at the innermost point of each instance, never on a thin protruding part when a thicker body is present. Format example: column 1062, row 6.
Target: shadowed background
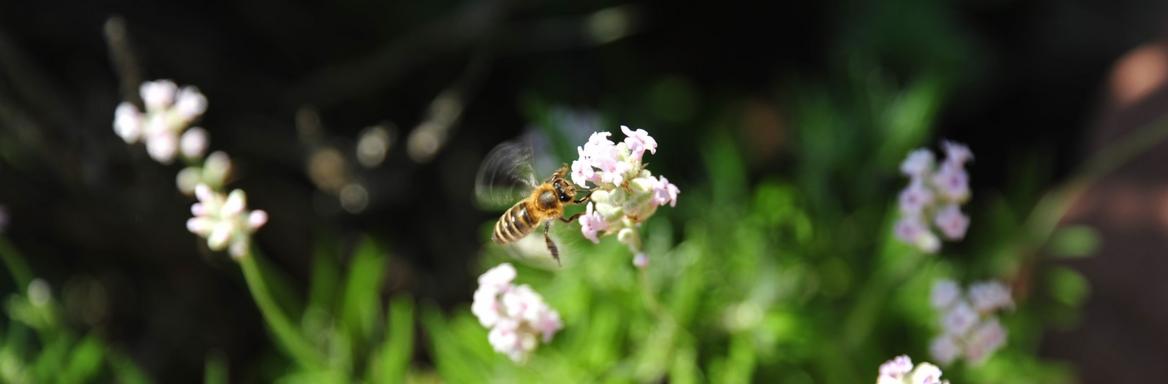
column 294, row 88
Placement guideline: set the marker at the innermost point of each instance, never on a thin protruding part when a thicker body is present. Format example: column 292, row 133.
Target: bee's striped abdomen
column 516, row 223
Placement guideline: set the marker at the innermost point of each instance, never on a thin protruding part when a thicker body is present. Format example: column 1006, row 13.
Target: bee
column 507, row 177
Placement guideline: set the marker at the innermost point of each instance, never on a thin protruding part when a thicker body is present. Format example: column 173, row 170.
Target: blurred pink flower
column 952, row 222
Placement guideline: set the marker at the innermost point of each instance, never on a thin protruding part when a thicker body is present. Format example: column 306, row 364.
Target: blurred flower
column 900, row 370
column 988, row 296
column 984, row 340
column 39, row 292
column 193, row 143
column 169, row 111
column 952, row 182
column 624, row 194
column 516, row 316
column 933, row 196
column 224, row 220
column 915, row 197
column 213, row 173
column 958, row 319
column 3, row 218
column 952, row 222
column 969, row 330
column 914, row 231
column 918, row 163
column 945, row 349
column 956, row 153
column 944, row 292
column 641, row 260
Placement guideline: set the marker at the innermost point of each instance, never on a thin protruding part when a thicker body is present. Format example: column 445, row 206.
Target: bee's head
column 565, row 191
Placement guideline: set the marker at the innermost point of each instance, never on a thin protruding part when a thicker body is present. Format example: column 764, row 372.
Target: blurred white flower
column 969, row 331
column 988, row 296
column 926, row 373
column 945, row 349
column 214, row 172
column 914, row 231
column 956, row 153
column 918, row 163
column 935, row 195
column 944, row 293
column 224, row 220
column 128, row 122
column 39, row 292
column 624, row 194
column 959, row 319
column 951, row 222
column 157, row 95
column 193, row 143
column 900, row 370
column 641, row 260
column 169, row 111
column 897, row 367
column 984, row 340
column 517, row 317
column 915, row 197
column 952, row 182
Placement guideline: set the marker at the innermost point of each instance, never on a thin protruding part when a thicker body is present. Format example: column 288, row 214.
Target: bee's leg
column 584, row 199
column 571, row 218
column 551, row 244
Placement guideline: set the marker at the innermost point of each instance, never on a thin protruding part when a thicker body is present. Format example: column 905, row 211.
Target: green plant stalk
column 286, row 334
column 1054, row 205
column 15, row 264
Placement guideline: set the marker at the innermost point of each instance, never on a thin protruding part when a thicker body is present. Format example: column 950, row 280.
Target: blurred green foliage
column 37, row 345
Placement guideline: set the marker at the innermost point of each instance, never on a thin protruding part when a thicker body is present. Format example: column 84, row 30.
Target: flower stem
column 286, row 334
column 1053, row 206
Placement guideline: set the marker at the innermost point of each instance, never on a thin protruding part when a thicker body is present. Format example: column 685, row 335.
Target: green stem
column 1054, row 205
column 286, row 334
column 15, row 264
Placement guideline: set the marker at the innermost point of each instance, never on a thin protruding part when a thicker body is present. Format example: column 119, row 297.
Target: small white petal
column 236, row 202
column 204, row 193
column 193, row 143
column 200, row 225
column 257, row 219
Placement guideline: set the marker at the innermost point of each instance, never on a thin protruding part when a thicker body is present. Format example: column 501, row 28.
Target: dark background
column 1030, row 84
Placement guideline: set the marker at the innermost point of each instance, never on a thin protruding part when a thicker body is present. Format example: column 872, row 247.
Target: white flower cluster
column 221, row 218
column 515, row 314
column 625, row 194
column 934, row 194
column 970, row 327
column 169, row 111
column 900, row 370
column 224, row 220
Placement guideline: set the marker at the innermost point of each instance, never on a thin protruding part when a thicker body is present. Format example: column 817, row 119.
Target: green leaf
column 361, row 303
column 393, row 360
column 1074, row 241
column 1068, row 286
column 215, row 370
column 454, row 363
column 126, row 371
column 84, row 362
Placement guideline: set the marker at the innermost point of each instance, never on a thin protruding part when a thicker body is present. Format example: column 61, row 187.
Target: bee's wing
column 505, row 176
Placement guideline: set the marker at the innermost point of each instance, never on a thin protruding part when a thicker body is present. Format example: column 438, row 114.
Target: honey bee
column 507, row 177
